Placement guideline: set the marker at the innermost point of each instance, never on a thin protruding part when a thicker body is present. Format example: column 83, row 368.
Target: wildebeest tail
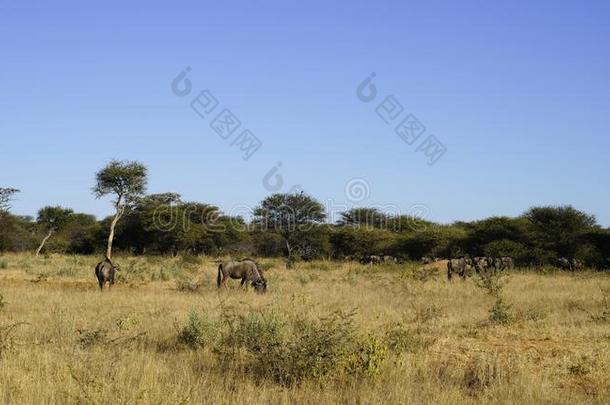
column 219, row 277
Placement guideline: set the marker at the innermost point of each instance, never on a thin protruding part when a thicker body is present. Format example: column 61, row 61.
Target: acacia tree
column 126, row 181
column 291, row 216
column 559, row 229
column 6, row 194
column 51, row 220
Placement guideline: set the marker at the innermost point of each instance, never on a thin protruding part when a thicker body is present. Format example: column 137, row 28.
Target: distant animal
column 370, row 259
column 482, row 264
column 577, row 264
column 458, row 266
column 564, row 264
column 426, row 260
column 508, row 263
column 246, row 270
column 105, row 271
column 569, row 264
column 388, row 259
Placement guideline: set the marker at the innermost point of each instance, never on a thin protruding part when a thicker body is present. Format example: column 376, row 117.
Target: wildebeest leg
column 243, row 281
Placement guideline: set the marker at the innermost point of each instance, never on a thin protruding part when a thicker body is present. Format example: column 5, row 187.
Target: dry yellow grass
column 71, row 344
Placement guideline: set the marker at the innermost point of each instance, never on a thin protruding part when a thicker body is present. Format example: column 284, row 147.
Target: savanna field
column 325, row 332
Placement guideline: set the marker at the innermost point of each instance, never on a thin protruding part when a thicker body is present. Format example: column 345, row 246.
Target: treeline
column 165, row 225
column 294, row 226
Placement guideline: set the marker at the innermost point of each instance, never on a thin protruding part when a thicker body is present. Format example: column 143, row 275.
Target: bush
column 493, row 283
column 291, row 352
column 369, row 358
column 3, row 264
column 198, row 331
column 500, row 312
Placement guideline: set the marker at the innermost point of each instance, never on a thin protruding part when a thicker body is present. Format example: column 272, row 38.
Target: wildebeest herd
column 463, row 265
column 247, row 270
column 377, row 259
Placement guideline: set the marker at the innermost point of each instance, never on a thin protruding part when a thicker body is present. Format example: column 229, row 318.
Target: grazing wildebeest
column 104, row 271
column 577, row 264
column 508, row 263
column 569, row 264
column 370, row 259
column 458, row 266
column 426, row 260
column 388, row 259
column 564, row 264
column 482, row 264
column 246, row 270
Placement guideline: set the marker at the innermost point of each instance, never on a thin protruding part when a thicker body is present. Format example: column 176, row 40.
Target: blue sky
column 517, row 93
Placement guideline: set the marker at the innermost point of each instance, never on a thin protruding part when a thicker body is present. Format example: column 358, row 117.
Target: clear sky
column 518, row 92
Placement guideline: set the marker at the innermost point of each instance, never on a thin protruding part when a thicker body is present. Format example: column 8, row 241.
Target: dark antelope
column 246, row 270
column 105, row 271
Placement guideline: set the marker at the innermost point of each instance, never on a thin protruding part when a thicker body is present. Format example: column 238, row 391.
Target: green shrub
column 492, row 283
column 3, row 264
column 291, row 352
column 257, row 332
column 198, row 331
column 369, row 357
column 500, row 312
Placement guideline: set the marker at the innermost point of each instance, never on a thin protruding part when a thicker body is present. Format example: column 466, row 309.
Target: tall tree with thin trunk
column 6, row 195
column 126, row 181
column 51, row 220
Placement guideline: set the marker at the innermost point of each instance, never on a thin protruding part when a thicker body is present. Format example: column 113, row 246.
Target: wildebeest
column 388, row 259
column 482, row 264
column 105, row 271
column 507, row 263
column 426, row 260
column 459, row 266
column 569, row 264
column 564, row 264
column 246, row 270
column 370, row 259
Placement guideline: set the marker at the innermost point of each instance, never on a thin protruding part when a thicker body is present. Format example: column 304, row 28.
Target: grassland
column 324, row 333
